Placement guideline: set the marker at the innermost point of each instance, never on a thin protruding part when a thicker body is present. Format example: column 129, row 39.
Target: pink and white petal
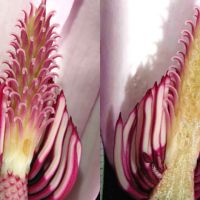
column 79, row 74
column 88, row 183
column 133, row 58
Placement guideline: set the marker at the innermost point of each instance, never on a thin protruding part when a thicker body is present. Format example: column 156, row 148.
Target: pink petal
column 80, row 66
column 80, row 80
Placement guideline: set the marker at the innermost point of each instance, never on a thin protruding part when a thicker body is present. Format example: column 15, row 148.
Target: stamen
column 46, row 123
column 7, row 90
column 35, row 83
column 50, row 100
column 21, row 23
column 41, row 35
column 11, row 54
column 189, row 22
column 53, row 86
column 48, row 62
column 48, row 78
column 53, row 67
column 25, row 93
column 12, row 83
column 51, row 50
column 156, row 172
column 179, row 60
column 31, row 10
column 22, row 108
column 43, row 72
column 24, row 75
column 16, row 67
column 24, row 38
column 35, row 99
column 15, row 45
column 182, row 54
column 38, row 28
column 32, row 64
column 7, row 128
column 21, row 57
column 40, row 14
column 40, row 104
column 34, row 110
column 16, row 37
column 50, row 15
column 10, row 113
column 176, row 79
column 10, row 73
column 25, row 16
column 31, row 47
column 7, row 63
column 16, row 96
column 40, row 55
column 49, row 110
column 18, row 122
column 189, row 35
column 185, row 44
column 42, row 88
column 174, row 91
column 197, row 15
column 56, row 56
column 51, row 28
column 49, row 43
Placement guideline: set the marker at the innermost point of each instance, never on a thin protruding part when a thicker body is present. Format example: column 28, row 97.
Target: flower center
column 183, row 144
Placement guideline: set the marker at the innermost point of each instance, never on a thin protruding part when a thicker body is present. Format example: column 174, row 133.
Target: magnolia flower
column 75, row 12
column 145, row 165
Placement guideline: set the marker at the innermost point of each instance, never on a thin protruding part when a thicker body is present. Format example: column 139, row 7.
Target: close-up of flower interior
column 40, row 146
column 99, row 100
